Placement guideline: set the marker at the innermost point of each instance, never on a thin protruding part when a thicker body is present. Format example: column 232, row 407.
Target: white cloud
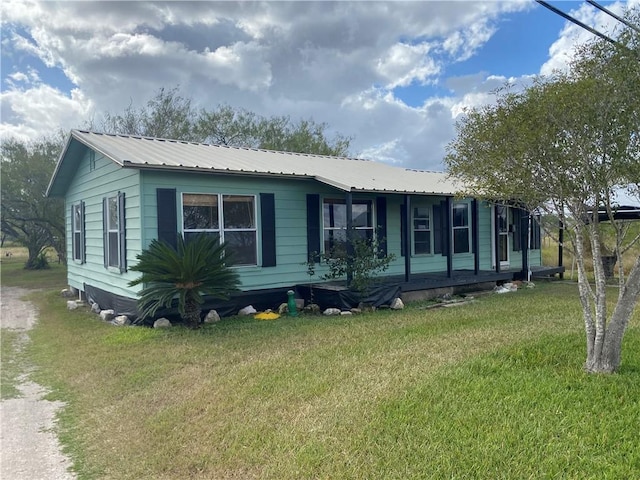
column 55, row 111
column 404, row 64
column 337, row 62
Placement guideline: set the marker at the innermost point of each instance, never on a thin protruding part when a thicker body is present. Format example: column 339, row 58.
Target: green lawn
column 490, row 390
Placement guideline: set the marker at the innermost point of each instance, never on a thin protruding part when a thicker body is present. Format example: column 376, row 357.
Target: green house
column 274, row 210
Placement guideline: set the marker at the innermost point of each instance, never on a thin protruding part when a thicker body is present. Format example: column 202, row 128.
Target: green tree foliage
column 360, row 264
column 170, row 115
column 28, row 216
column 195, row 269
column 566, row 145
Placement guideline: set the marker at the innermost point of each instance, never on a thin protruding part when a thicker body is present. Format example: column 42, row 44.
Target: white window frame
column 222, row 230
column 113, row 231
column 78, row 246
column 428, row 229
column 467, row 226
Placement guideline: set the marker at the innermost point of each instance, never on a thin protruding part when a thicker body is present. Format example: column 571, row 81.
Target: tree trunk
column 609, row 360
column 585, row 295
column 192, row 312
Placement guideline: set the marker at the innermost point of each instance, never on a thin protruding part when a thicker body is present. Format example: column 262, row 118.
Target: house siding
column 290, row 218
column 290, row 196
column 91, row 186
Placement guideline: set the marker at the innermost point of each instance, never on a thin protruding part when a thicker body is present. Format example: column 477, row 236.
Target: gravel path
column 29, row 448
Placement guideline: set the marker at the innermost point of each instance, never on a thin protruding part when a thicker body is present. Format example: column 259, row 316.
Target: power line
column 610, row 13
column 576, row 21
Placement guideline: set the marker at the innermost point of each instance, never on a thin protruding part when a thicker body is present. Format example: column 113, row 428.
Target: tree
column 192, row 270
column 167, row 115
column 28, row 216
column 170, row 115
column 566, row 145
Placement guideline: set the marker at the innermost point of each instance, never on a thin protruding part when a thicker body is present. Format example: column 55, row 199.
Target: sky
column 393, row 76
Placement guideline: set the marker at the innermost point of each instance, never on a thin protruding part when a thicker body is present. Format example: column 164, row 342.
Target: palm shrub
column 186, row 273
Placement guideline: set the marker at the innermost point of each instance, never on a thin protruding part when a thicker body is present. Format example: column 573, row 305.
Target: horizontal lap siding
column 291, row 229
column 290, row 207
column 107, row 179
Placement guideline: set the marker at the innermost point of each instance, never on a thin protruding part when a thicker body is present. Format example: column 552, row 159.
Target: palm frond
column 193, row 269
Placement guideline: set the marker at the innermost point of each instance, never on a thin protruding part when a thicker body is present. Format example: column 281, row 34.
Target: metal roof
column 347, row 174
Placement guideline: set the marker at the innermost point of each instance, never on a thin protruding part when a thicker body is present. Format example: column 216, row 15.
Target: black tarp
column 327, row 296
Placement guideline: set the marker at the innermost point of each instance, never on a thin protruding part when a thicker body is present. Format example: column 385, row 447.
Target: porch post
column 524, row 242
column 560, row 246
column 406, row 235
column 496, row 235
column 349, row 206
column 449, row 230
column 475, row 234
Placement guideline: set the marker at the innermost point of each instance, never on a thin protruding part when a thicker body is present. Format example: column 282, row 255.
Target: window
column 421, row 230
column 113, row 222
column 461, row 230
column 234, row 223
column 334, row 214
column 77, row 232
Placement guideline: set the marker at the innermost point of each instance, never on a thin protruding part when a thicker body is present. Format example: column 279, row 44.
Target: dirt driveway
column 29, row 448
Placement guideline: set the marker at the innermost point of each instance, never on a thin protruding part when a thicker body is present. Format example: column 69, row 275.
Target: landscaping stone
column 283, row 308
column 162, row 323
column 356, row 311
column 396, row 304
column 332, row 311
column 121, row 320
column 67, row 293
column 107, row 315
column 71, row 305
column 95, row 308
column 212, row 317
column 248, row 310
column 346, row 312
column 366, row 307
column 312, row 308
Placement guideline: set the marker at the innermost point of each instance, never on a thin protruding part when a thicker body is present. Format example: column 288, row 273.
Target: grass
column 13, row 274
column 493, row 389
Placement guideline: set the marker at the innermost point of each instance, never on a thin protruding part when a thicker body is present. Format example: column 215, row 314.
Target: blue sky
column 392, row 75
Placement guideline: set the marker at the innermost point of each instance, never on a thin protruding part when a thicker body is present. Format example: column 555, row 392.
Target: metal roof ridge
column 230, row 147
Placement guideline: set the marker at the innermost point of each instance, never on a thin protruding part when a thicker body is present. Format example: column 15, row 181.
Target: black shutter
column 516, row 214
column 403, row 229
column 268, row 224
column 83, row 236
column 313, row 227
column 438, row 246
column 122, row 230
column 381, row 216
column 167, row 216
column 105, row 233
